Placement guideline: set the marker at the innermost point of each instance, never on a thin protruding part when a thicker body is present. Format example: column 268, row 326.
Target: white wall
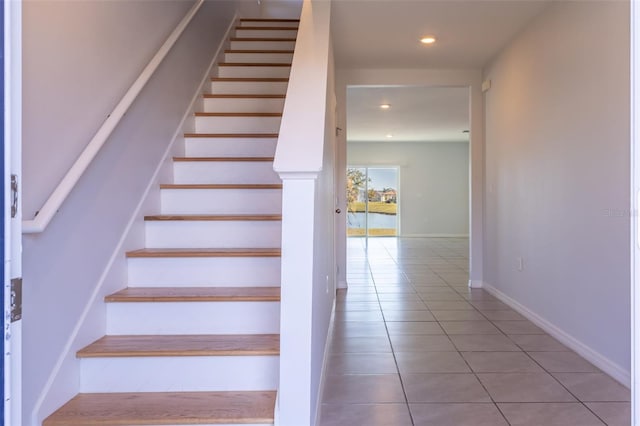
column 557, row 176
column 434, row 183
column 79, row 59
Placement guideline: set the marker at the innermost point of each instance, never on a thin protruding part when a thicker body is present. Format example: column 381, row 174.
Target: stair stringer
column 115, row 271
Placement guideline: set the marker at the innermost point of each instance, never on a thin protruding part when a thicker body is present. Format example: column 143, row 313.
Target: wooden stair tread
column 262, row 39
column 238, row 114
column 183, row 345
column 258, row 51
column 154, row 408
column 241, row 96
column 247, row 217
column 252, row 79
column 224, row 159
column 232, row 135
column 254, row 64
column 221, row 186
column 266, row 28
column 204, row 252
column 196, row 294
column 268, row 20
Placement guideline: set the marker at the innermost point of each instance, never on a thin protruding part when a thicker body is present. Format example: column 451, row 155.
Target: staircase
column 194, row 338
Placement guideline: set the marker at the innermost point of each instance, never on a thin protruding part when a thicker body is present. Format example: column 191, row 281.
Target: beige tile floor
column 413, row 345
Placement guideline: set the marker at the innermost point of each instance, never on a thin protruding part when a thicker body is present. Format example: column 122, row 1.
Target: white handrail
column 57, row 197
column 301, row 137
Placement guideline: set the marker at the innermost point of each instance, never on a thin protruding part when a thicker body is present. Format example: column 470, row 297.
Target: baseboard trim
column 276, row 409
column 323, row 371
column 476, row 284
column 603, row 363
column 434, row 235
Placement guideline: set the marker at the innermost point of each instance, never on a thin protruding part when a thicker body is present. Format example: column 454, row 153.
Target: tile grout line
column 495, row 404
column 393, row 352
column 408, row 269
column 420, row 297
column 528, row 355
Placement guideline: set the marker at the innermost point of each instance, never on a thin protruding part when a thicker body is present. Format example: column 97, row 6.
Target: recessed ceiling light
column 428, row 40
column 385, row 106
column 389, row 135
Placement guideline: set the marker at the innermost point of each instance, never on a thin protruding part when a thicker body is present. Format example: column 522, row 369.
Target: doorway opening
column 372, row 195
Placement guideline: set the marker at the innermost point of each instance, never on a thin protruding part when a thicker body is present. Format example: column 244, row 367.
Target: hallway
column 412, row 345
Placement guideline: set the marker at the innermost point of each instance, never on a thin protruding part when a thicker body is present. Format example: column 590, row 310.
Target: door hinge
column 14, row 195
column 16, row 299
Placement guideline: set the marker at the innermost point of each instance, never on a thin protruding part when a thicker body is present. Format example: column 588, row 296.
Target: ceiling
column 417, row 114
column 386, row 33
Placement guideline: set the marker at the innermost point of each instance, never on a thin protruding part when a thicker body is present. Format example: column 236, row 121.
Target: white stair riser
column 266, row 33
column 220, row 234
column 262, row 57
column 243, row 104
column 262, row 45
column 204, row 272
column 221, row 201
column 248, row 87
column 239, row 71
column 224, row 172
column 230, row 147
column 175, row 318
column 292, row 24
column 175, row 374
column 237, row 124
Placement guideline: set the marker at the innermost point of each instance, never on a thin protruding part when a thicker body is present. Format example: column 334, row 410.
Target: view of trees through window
column 372, row 197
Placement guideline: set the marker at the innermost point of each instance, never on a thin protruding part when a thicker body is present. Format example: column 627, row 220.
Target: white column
column 476, row 185
column 294, row 394
column 635, row 203
column 299, row 160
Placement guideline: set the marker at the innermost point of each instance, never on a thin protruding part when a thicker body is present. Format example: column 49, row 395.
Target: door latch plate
column 14, row 195
column 16, row 299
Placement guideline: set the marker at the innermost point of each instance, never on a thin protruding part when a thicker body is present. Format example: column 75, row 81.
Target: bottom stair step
column 166, row 408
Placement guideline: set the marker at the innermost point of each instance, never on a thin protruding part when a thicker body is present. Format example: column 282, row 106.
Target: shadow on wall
column 285, row 9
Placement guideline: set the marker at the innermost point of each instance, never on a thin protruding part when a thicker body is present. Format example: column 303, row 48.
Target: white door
column 12, row 215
